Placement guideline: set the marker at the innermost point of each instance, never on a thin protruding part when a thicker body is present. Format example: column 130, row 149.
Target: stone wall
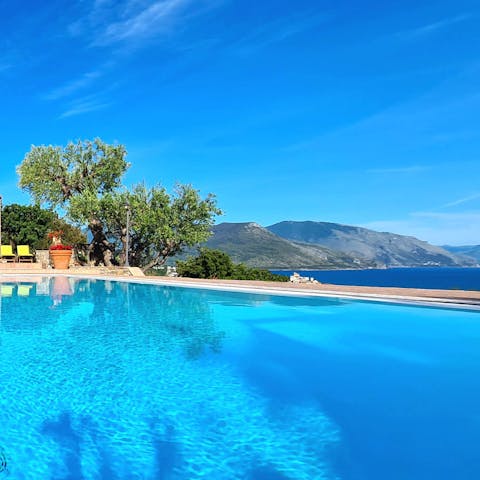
column 42, row 257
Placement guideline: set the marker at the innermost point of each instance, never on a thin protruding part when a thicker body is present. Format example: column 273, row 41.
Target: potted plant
column 60, row 254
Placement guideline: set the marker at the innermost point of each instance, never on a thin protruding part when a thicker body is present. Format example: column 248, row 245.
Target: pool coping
column 262, row 289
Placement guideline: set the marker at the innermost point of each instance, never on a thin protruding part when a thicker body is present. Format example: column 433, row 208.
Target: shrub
column 211, row 263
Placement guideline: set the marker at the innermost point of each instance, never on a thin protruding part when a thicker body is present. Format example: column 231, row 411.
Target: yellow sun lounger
column 6, row 253
column 23, row 253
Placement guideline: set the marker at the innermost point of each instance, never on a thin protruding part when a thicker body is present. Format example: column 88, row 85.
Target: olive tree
column 84, row 180
column 162, row 224
column 75, row 178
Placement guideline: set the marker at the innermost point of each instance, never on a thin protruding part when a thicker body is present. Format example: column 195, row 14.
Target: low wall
column 43, row 258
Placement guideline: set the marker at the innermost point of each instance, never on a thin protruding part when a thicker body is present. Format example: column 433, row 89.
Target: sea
column 445, row 278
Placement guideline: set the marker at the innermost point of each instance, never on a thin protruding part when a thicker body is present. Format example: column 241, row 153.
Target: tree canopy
column 54, row 175
column 76, row 176
column 161, row 225
column 84, row 180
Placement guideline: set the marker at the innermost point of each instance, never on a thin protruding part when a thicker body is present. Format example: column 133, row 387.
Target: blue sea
column 441, row 278
column 104, row 380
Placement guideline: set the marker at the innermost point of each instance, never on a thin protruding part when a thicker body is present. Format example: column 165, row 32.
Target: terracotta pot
column 60, row 258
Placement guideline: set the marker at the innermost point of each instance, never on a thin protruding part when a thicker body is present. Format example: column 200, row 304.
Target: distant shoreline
column 445, row 278
column 304, row 269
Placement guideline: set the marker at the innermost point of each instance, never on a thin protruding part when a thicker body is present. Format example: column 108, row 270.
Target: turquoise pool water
column 110, row 380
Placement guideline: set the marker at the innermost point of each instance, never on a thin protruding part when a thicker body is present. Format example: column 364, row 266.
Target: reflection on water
column 165, row 318
column 120, row 380
column 128, row 381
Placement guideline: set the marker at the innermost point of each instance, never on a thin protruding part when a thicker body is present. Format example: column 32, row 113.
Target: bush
column 217, row 264
column 29, row 225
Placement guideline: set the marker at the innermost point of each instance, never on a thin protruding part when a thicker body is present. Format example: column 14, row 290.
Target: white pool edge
column 262, row 290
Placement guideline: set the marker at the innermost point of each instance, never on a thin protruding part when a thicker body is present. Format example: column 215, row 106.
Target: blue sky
column 364, row 113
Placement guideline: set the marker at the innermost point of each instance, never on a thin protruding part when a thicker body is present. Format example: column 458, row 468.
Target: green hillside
column 255, row 246
column 381, row 248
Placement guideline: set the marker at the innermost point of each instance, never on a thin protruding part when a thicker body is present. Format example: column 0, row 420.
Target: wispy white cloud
column 159, row 17
column 84, row 105
column 277, row 31
column 73, row 86
column 123, row 26
column 400, row 170
column 434, row 27
column 462, row 200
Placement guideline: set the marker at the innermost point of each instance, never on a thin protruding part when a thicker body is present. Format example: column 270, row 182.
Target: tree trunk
column 123, row 241
column 100, row 248
column 158, row 260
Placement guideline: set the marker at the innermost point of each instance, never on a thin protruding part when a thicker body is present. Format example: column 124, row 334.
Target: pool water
column 117, row 380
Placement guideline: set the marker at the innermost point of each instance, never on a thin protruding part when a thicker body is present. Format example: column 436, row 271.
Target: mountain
column 472, row 251
column 381, row 248
column 254, row 245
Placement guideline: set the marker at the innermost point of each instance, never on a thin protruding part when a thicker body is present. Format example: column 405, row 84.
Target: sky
column 362, row 113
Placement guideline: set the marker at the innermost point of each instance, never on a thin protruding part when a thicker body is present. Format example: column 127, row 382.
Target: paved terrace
column 15, row 268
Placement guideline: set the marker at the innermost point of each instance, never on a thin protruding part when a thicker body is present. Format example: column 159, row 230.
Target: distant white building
column 297, row 278
column 171, row 271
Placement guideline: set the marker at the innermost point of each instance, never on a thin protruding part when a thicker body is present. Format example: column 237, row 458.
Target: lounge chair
column 6, row 253
column 23, row 253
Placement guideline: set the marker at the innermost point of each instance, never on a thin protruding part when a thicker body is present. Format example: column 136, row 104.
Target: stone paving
column 36, row 268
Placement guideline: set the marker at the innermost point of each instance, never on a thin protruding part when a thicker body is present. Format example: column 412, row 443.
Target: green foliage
column 161, row 225
column 29, row 225
column 157, row 271
column 211, row 263
column 84, row 179
column 75, row 178
column 208, row 264
column 26, row 225
column 54, row 175
column 243, row 272
column 72, row 235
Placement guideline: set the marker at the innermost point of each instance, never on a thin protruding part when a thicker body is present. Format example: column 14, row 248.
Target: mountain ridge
column 254, row 245
column 472, row 251
column 384, row 248
column 325, row 245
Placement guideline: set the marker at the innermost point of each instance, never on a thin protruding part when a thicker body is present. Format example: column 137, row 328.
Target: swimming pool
column 116, row 380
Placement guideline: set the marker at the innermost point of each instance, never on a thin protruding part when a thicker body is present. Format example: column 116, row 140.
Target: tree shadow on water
column 167, row 455
column 266, row 473
column 62, row 431
column 70, row 441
